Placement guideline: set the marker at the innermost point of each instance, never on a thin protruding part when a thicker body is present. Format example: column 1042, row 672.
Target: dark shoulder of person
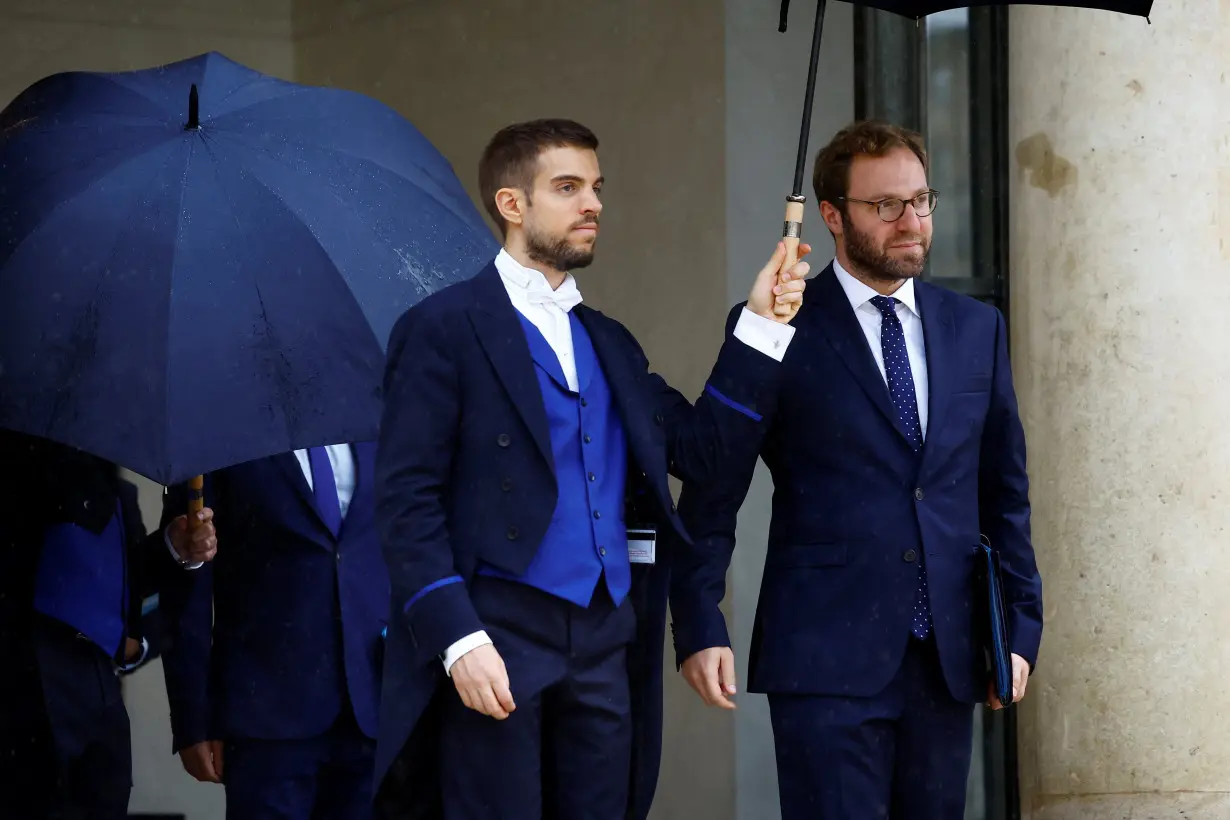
column 44, row 483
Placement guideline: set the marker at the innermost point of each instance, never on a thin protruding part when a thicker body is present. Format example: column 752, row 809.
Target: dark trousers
column 323, row 778
column 67, row 751
column 565, row 753
column 903, row 754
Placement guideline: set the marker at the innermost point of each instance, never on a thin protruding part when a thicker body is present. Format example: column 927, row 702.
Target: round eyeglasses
column 890, row 210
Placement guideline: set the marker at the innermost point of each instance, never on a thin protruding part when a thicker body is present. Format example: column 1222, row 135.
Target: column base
column 1165, row 806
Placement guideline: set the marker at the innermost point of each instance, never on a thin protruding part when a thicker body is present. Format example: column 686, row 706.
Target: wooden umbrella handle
column 792, row 234
column 196, row 500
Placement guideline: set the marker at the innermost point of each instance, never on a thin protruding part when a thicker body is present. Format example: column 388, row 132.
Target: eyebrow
column 880, row 196
column 576, row 179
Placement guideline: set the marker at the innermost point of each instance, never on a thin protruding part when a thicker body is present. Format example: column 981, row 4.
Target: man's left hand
column 777, row 294
column 1020, row 679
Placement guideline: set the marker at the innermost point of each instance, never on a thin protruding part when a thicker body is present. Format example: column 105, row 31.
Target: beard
column 875, row 260
column 557, row 252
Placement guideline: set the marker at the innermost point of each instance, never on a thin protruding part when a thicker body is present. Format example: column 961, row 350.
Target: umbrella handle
column 196, row 500
column 792, row 234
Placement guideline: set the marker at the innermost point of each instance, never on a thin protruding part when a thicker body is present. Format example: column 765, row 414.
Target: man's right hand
column 482, row 682
column 196, row 545
column 711, row 672
column 203, row 760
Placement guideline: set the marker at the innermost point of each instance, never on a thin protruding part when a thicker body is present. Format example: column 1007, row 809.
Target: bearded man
column 521, row 480
column 896, row 447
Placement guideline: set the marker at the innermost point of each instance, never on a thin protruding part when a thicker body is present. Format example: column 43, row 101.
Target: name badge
column 642, row 545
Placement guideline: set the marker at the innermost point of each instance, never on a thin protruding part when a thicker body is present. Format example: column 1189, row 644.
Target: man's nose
column 910, row 222
column 591, row 204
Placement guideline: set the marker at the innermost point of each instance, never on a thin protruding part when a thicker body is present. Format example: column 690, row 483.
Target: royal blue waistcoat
column 588, row 535
column 82, row 581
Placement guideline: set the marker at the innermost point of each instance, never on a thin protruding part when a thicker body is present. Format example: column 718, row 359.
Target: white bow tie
column 566, row 296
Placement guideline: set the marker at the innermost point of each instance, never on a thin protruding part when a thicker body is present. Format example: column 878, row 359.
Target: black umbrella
column 792, row 229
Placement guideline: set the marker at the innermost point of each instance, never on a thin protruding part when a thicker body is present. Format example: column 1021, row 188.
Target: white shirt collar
column 535, row 283
column 860, row 293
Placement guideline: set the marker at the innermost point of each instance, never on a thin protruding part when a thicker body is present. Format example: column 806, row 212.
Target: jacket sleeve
column 709, row 510
column 186, row 605
column 414, row 462
column 1004, row 510
column 721, row 433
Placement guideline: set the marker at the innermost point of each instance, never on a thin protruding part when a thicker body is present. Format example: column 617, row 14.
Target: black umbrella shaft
column 800, row 163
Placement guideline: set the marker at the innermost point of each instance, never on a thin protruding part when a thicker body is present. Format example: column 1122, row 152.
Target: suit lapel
column 543, row 354
column 839, row 324
column 500, row 333
column 290, row 465
column 612, row 356
column 940, row 338
column 363, row 455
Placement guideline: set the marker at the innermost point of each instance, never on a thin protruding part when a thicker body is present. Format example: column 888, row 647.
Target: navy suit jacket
column 854, row 508
column 465, row 476
column 297, row 614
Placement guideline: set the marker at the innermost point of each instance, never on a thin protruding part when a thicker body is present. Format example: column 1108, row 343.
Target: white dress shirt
column 871, row 320
column 342, row 461
column 548, row 309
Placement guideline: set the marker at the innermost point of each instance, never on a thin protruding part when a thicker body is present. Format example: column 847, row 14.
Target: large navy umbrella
column 200, row 264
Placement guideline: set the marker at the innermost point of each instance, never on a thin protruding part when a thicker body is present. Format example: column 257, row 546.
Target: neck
column 517, row 250
column 881, row 285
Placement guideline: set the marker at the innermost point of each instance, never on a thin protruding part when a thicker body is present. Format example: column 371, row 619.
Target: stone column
column 1120, row 295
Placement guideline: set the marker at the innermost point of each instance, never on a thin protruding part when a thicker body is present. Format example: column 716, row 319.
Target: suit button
column 506, row 484
column 588, row 439
column 593, row 477
column 910, row 556
column 584, row 403
column 512, row 533
column 602, row 550
column 918, row 494
column 503, row 440
column 657, row 419
column 597, row 515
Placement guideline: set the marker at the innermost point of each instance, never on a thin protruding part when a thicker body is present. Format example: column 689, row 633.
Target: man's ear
column 832, row 218
column 511, row 203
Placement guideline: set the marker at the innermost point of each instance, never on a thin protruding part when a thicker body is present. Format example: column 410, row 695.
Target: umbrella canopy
column 200, row 264
column 917, row 9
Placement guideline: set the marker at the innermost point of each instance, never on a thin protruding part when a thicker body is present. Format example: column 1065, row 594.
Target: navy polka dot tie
column 905, row 400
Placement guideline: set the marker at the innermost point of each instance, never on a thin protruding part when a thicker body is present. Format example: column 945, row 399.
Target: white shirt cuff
column 166, row 536
column 467, row 644
column 769, row 337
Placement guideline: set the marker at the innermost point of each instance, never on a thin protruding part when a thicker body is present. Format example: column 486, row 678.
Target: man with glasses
column 896, row 446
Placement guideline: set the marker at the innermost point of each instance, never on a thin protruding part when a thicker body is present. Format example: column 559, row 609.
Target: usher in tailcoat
column 466, row 479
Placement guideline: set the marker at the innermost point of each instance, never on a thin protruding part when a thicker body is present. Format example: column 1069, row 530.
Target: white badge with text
column 642, row 545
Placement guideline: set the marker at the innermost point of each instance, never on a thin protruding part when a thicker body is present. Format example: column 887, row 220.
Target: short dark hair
column 510, row 159
column 873, row 138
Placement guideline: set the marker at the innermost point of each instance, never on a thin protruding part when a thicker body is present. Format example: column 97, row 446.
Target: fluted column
column 1120, row 309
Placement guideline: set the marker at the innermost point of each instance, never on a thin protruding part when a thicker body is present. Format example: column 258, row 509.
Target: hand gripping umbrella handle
column 791, row 234
column 196, row 500
column 792, row 230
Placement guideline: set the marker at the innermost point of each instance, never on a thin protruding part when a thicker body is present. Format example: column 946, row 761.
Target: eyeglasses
column 890, row 210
